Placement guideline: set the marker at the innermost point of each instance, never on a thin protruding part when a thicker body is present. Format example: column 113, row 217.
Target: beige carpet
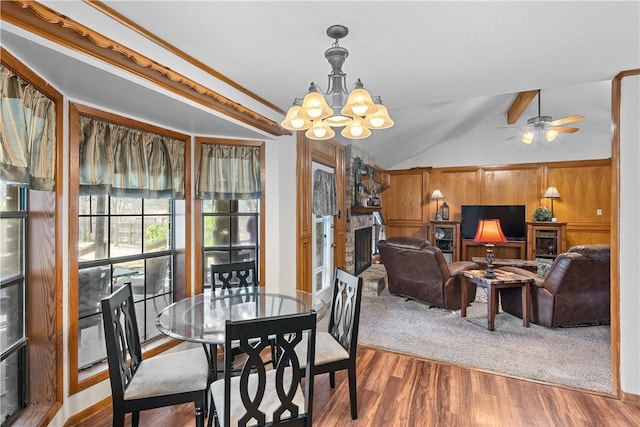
column 577, row 357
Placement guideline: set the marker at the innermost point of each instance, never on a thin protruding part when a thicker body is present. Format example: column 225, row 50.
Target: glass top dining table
column 202, row 318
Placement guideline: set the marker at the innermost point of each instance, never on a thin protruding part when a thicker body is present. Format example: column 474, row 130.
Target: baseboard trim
column 87, row 412
column 630, row 397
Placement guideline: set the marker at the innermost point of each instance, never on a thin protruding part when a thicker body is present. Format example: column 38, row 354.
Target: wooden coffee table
column 503, row 279
column 507, row 262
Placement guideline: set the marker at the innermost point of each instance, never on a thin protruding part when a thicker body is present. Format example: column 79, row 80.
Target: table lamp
column 551, row 193
column 437, row 196
column 489, row 232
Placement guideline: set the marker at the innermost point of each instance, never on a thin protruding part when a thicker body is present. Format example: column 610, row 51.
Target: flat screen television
column 512, row 220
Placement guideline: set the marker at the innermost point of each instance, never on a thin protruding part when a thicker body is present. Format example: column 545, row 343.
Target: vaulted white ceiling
column 446, row 70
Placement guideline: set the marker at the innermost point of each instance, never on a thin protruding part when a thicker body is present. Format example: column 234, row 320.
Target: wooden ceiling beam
column 522, row 101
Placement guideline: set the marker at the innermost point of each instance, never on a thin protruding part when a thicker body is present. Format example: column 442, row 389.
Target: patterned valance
column 28, row 140
column 324, row 193
column 127, row 162
column 228, row 172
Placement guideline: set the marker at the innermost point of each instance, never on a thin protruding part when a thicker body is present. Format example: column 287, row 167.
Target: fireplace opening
column 362, row 250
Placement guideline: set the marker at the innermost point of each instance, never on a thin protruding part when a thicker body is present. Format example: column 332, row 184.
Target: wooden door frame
column 331, row 154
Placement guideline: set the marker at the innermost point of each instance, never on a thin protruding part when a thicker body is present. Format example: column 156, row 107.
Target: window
column 122, row 240
column 127, row 191
column 230, row 232
column 230, row 214
column 13, row 289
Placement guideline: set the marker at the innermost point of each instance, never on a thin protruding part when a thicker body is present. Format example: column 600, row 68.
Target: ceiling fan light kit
column 357, row 110
column 546, row 126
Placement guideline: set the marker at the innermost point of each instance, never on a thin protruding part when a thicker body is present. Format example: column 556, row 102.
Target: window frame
column 21, row 347
column 199, row 223
column 181, row 230
column 44, row 274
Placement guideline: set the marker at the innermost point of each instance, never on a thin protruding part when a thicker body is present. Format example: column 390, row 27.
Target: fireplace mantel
column 365, row 210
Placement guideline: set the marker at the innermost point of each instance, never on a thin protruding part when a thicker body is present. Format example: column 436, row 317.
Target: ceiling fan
column 544, row 125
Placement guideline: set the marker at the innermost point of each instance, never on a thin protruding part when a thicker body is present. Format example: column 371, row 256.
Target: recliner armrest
column 537, row 280
column 455, row 268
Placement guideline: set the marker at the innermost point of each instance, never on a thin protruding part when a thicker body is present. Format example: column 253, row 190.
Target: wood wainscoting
column 584, row 186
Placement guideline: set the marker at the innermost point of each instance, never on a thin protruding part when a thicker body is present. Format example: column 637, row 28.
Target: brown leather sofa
column 417, row 270
column 576, row 289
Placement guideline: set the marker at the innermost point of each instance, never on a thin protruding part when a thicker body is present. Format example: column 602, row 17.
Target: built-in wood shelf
column 365, row 210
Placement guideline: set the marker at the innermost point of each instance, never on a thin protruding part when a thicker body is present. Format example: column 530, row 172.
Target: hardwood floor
column 399, row 390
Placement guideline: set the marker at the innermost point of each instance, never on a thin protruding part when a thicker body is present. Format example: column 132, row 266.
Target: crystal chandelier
column 356, row 111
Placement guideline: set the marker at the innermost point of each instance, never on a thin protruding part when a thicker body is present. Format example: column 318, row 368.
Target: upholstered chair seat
column 176, row 372
column 328, row 350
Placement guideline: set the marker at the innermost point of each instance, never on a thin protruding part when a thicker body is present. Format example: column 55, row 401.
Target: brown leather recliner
column 418, row 270
column 576, row 290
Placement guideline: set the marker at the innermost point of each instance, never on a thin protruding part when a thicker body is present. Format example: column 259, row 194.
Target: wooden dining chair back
column 225, row 277
column 233, row 275
column 336, row 349
column 259, row 395
column 137, row 384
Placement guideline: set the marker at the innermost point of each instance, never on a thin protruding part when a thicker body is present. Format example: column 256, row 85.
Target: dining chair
column 336, row 349
column 262, row 395
column 137, row 384
column 234, row 274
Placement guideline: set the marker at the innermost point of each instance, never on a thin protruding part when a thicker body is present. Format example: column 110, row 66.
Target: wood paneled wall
column 584, row 186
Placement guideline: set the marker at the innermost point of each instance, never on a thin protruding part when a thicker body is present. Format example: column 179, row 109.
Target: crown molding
column 45, row 22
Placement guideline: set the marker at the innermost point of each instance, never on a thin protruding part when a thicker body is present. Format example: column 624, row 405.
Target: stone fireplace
column 355, row 221
column 359, row 241
column 362, row 249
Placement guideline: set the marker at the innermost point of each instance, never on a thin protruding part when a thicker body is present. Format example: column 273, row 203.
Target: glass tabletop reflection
column 201, row 318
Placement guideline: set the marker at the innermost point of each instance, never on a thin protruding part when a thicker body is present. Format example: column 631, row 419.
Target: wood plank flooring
column 399, row 390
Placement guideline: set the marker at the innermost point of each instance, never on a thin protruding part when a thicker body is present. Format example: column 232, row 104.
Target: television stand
column 511, row 249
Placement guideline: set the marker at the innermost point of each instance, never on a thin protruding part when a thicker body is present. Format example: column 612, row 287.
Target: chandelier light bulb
column 551, row 134
column 380, row 119
column 314, row 106
column 356, row 130
column 527, row 138
column 320, row 131
column 293, row 121
column 359, row 102
column 376, row 122
column 297, row 123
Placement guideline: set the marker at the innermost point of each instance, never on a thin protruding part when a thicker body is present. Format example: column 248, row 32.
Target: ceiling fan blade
column 512, row 137
column 569, row 119
column 564, row 130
